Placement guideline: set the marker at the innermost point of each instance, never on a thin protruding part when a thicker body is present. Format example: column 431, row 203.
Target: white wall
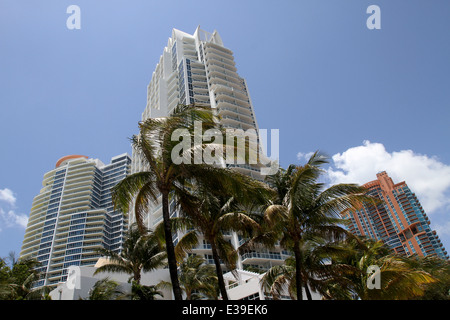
column 78, row 285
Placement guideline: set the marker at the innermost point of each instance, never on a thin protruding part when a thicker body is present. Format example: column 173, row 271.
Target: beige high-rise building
column 73, row 215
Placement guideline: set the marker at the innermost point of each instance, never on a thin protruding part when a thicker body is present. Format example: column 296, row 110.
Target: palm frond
column 124, row 192
column 185, row 244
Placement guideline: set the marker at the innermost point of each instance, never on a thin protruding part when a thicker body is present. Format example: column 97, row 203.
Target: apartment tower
column 73, row 215
column 399, row 221
column 199, row 69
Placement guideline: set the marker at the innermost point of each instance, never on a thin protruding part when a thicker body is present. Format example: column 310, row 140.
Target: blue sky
column 371, row 99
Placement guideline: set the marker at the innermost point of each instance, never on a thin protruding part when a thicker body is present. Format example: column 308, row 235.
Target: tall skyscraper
column 399, row 221
column 73, row 215
column 199, row 69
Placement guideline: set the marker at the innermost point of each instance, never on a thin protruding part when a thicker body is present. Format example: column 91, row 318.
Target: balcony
column 213, row 57
column 230, row 89
column 203, row 248
column 232, row 111
column 258, row 257
column 209, row 46
column 220, row 67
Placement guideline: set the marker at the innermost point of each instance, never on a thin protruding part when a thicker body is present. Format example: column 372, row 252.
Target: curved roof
column 65, row 158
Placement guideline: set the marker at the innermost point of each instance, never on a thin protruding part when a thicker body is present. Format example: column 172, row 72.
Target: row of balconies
column 212, row 47
column 215, row 58
column 238, row 112
column 234, row 83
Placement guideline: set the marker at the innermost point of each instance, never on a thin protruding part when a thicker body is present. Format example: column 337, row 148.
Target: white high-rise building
column 199, row 69
column 73, row 215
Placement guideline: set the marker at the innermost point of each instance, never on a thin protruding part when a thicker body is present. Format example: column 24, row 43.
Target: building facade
column 73, row 215
column 399, row 221
column 198, row 69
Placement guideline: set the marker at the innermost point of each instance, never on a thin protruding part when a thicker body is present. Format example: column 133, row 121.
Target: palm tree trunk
column 308, row 292
column 137, row 277
column 298, row 271
column 219, row 272
column 171, row 259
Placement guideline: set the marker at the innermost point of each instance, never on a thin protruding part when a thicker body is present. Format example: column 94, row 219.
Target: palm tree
column 317, row 273
column 399, row 276
column 139, row 253
column 106, row 289
column 280, row 280
column 146, row 293
column 198, row 279
column 303, row 210
column 213, row 213
column 440, row 270
column 167, row 177
column 17, row 280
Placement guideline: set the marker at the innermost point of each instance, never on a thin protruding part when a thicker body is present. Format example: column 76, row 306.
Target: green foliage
column 439, row 269
column 140, row 252
column 214, row 212
column 145, row 293
column 173, row 180
column 17, row 279
column 303, row 213
column 198, row 280
column 106, row 289
column 400, row 276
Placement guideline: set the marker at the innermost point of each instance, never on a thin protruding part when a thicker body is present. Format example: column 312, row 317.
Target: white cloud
column 8, row 216
column 443, row 229
column 10, row 219
column 426, row 176
column 8, row 196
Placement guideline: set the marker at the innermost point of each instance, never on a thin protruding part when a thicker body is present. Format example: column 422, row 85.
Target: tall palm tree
column 140, row 253
column 197, row 278
column 317, row 273
column 167, row 177
column 211, row 214
column 304, row 210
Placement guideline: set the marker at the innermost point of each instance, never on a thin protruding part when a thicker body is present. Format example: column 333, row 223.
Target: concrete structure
column 82, row 279
column 246, row 285
column 399, row 221
column 241, row 284
column 199, row 69
column 73, row 215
